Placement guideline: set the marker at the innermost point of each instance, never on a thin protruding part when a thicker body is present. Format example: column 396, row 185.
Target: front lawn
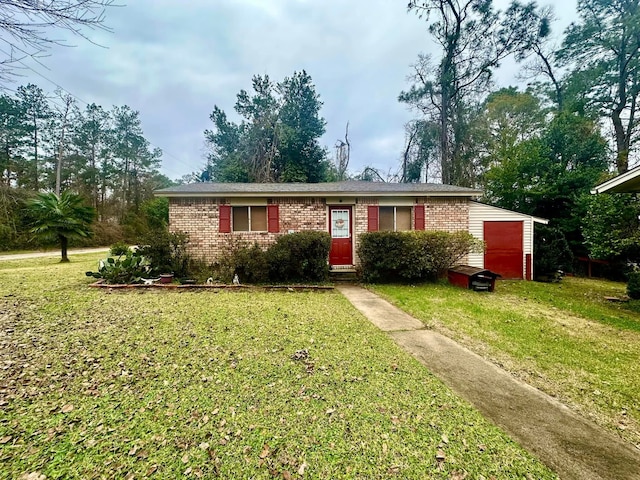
column 157, row 384
column 565, row 339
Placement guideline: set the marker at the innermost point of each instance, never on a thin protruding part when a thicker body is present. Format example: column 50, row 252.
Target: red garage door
column 504, row 253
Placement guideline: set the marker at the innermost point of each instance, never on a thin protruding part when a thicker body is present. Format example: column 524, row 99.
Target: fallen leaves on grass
column 33, row 476
column 125, row 360
column 265, row 451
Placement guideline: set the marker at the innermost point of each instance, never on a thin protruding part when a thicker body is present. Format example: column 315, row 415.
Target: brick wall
column 448, row 214
column 199, row 218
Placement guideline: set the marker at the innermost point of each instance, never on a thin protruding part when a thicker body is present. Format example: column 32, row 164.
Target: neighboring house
column 628, row 182
column 216, row 215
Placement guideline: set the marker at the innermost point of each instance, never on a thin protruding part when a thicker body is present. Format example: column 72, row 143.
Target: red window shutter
column 225, row 219
column 373, row 218
column 273, row 219
column 418, row 212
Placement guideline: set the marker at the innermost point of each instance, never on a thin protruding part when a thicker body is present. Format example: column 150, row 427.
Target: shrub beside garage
column 412, row 256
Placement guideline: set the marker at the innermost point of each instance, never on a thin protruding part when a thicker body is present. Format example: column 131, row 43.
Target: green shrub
column 412, row 256
column 119, row 248
column 248, row 262
column 551, row 252
column 300, row 256
column 166, row 252
column 390, row 256
column 633, row 285
column 128, row 268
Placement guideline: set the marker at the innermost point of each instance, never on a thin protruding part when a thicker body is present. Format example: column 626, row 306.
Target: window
column 394, row 219
column 249, row 219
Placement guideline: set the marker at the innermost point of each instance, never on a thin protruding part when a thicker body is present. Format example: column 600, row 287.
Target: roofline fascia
column 544, row 221
column 314, row 194
column 615, row 181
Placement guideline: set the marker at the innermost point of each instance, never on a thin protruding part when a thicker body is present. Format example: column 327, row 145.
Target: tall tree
column 91, row 135
column 546, row 174
column 61, row 124
column 277, row 139
column 474, row 39
column 507, row 118
column 300, row 158
column 37, row 114
column 62, row 218
column 12, row 139
column 604, row 50
column 133, row 154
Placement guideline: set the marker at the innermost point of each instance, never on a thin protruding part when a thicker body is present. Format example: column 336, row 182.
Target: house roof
column 351, row 188
column 628, row 182
column 544, row 221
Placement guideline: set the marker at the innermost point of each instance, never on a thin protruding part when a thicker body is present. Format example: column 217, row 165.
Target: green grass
column 565, row 339
column 203, row 385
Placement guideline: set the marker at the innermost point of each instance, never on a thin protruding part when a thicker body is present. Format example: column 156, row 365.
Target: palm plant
column 61, row 218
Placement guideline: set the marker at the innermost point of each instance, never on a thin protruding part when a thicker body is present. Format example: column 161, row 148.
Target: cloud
column 173, row 61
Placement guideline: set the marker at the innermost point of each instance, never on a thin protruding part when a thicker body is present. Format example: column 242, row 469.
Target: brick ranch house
column 216, row 214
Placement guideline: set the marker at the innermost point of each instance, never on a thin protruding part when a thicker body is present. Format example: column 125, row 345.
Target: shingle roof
column 353, row 188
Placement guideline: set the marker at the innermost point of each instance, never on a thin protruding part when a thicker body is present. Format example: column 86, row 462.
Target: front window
column 249, row 219
column 394, row 219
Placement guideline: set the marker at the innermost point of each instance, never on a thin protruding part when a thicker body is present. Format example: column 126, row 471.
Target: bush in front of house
column 296, row 257
column 249, row 262
column 390, row 256
column 633, row 285
column 300, row 256
column 166, row 252
column 412, row 256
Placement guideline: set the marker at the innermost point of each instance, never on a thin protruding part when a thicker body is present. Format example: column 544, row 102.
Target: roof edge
column 616, row 181
column 541, row 220
column 471, row 194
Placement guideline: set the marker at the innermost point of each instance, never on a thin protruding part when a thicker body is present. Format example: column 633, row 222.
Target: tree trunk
column 622, row 144
column 35, row 153
column 68, row 101
column 64, row 243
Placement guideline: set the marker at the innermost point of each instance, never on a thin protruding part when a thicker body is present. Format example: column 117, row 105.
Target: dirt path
column 572, row 446
column 52, row 253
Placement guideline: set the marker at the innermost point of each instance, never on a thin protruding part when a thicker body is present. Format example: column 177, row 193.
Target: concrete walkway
column 572, row 446
column 52, row 253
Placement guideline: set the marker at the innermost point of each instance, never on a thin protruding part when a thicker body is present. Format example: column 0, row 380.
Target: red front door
column 504, row 252
column 341, row 236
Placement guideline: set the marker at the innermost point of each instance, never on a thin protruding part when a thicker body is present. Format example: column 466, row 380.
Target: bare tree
column 474, row 39
column 25, row 26
column 343, row 153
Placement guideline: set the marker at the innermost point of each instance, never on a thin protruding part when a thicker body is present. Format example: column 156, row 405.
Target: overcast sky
column 173, row 61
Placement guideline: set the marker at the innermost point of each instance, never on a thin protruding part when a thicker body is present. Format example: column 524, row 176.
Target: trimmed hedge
column 412, row 256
